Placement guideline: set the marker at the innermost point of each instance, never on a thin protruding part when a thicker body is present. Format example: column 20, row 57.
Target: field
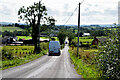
column 84, row 40
column 29, row 37
column 87, row 40
column 24, row 37
column 55, row 38
column 16, row 55
column 11, row 29
column 16, row 51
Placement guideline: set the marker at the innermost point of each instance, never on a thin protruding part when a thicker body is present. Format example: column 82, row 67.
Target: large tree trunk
column 34, row 36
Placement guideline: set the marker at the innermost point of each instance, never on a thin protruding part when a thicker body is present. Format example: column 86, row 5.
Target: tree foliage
column 70, row 36
column 34, row 15
column 62, row 36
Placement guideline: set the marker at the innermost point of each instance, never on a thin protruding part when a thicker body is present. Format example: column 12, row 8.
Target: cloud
column 92, row 11
column 110, row 12
column 66, row 7
column 53, row 12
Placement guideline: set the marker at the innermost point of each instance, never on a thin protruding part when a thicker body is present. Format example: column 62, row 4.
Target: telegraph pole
column 39, row 28
column 78, row 29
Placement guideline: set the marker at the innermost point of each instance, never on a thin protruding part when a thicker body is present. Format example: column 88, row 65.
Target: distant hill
column 7, row 23
column 92, row 25
column 95, row 25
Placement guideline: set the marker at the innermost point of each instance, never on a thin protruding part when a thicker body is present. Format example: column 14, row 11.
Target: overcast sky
column 92, row 11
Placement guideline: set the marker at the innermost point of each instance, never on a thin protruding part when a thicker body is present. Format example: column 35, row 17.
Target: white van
column 54, row 48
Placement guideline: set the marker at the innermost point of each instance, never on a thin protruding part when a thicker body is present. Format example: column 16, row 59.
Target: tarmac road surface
column 45, row 67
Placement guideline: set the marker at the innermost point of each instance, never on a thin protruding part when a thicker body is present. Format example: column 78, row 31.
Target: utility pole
column 39, row 28
column 78, row 29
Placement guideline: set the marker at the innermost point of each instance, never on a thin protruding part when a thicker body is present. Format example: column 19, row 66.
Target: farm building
column 97, row 40
column 86, row 34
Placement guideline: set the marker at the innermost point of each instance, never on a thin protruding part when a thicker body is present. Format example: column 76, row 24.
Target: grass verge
column 87, row 70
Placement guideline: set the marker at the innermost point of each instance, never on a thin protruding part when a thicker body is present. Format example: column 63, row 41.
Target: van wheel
column 59, row 53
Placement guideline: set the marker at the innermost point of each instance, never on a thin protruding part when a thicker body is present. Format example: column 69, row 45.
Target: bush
column 108, row 58
column 74, row 43
column 43, row 46
column 7, row 54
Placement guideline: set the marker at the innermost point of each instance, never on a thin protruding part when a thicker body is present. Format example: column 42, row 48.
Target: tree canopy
column 34, row 15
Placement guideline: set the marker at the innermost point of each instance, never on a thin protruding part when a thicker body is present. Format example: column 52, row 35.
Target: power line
column 70, row 16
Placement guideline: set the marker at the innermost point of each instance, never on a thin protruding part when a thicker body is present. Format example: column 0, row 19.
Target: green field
column 29, row 37
column 17, row 55
column 83, row 39
column 24, row 37
column 18, row 50
column 11, row 29
column 56, row 39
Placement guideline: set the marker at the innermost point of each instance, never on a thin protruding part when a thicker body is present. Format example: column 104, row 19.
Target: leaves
column 108, row 58
column 28, row 12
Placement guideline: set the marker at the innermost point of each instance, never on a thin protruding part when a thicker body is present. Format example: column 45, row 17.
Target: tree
column 51, row 23
column 33, row 15
column 62, row 36
column 70, row 36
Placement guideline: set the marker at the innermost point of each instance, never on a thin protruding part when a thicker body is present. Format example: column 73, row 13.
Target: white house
column 86, row 34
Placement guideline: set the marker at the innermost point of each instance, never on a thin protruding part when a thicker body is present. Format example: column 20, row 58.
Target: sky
column 92, row 11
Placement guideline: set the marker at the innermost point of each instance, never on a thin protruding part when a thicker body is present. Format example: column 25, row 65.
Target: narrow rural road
column 45, row 67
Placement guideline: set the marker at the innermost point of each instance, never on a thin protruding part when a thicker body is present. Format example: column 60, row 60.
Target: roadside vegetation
column 84, row 64
column 17, row 55
column 108, row 58
column 98, row 61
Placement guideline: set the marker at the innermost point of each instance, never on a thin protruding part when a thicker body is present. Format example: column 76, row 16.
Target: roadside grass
column 11, row 29
column 0, row 65
column 0, row 57
column 85, row 64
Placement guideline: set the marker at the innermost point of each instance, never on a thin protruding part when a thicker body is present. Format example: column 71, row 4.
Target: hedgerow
column 109, row 56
